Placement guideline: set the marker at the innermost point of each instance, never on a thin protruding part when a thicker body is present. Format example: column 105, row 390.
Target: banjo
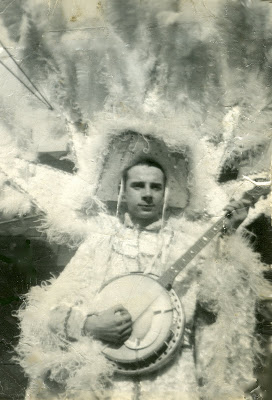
column 157, row 314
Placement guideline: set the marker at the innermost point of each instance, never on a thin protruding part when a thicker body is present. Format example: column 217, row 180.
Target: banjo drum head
column 158, row 322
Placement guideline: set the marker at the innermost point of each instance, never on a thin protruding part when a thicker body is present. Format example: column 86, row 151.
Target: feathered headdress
column 194, row 78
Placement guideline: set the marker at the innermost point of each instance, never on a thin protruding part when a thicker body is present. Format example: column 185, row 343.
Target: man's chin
column 148, row 215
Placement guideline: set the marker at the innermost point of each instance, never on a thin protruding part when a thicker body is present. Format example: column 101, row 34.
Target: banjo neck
column 168, row 278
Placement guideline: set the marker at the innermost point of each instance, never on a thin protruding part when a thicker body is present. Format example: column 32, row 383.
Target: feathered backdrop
column 193, row 74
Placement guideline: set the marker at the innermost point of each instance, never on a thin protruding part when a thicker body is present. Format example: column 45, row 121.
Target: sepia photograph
column 135, row 207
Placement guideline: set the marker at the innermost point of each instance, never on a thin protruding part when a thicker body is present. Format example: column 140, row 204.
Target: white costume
column 226, row 283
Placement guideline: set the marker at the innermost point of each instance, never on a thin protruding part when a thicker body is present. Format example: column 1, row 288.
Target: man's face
column 144, row 193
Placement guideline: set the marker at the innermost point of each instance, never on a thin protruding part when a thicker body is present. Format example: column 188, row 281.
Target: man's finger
column 125, row 338
column 232, row 207
column 125, row 326
column 119, row 308
column 122, row 319
column 231, row 212
column 245, row 203
column 126, row 317
column 127, row 332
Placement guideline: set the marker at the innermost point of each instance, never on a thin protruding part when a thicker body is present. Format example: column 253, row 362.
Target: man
column 144, row 185
column 61, row 346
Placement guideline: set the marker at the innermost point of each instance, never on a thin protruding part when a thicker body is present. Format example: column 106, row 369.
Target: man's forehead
column 145, row 173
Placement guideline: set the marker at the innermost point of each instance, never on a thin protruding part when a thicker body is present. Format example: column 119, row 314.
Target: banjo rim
column 163, row 355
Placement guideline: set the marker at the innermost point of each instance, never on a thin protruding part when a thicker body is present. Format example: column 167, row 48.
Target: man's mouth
column 146, row 206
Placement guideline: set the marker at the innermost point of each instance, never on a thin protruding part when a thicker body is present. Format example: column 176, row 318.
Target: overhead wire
column 22, row 82
column 42, row 98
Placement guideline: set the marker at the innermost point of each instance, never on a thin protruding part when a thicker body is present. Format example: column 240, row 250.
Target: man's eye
column 156, row 187
column 137, row 185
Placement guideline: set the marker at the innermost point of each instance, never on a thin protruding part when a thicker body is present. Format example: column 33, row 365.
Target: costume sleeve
column 67, row 321
column 53, row 316
column 230, row 284
column 65, row 200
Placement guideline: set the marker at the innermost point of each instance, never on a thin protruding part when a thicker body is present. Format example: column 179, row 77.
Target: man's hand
column 113, row 325
column 236, row 213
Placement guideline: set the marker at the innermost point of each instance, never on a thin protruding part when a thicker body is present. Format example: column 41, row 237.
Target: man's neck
column 142, row 223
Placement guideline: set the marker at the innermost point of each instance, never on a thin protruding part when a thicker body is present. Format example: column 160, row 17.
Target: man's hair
column 146, row 161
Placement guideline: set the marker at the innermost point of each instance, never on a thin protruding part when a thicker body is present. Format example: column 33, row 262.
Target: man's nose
column 147, row 195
